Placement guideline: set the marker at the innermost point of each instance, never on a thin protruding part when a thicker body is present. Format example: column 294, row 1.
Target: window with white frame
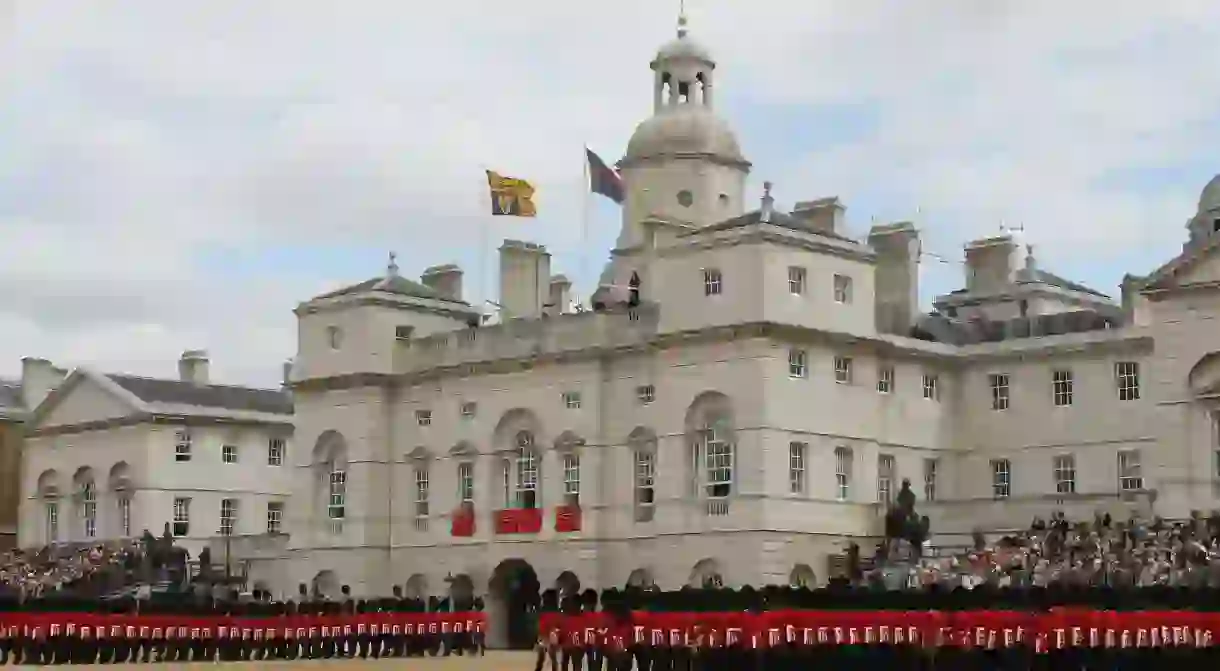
column 276, row 447
column 645, row 394
column 275, row 517
column 51, row 519
column 88, row 509
column 931, row 386
column 228, row 454
column 465, row 479
column 423, row 417
column 713, row 282
column 1001, row 478
column 182, row 516
column 571, row 400
column 645, row 474
column 228, row 516
column 506, row 471
column 843, row 370
column 1130, row 474
column 798, row 363
column 124, row 508
column 931, row 472
column 1127, row 380
column 182, row 445
column 336, row 503
column 712, row 463
column 843, row 469
column 796, row 280
column 1065, row 474
column 885, row 478
column 468, row 410
column 999, row 390
column 421, row 496
column 842, row 289
column 1061, row 387
column 571, row 475
column 798, row 452
column 527, row 472
column 885, row 378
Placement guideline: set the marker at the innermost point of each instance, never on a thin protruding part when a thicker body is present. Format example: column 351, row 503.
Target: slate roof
column 177, row 392
column 394, row 285
column 940, row 328
column 781, row 219
column 1056, row 281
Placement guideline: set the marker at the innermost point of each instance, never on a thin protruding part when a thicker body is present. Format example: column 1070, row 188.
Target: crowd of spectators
column 82, row 569
column 1100, row 552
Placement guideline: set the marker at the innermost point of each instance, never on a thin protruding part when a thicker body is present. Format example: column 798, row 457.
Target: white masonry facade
column 754, row 388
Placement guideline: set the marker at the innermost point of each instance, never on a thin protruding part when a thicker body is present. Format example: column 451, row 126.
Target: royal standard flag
column 511, row 197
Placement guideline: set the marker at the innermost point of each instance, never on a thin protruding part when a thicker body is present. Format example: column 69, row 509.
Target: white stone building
column 748, row 418
column 107, row 456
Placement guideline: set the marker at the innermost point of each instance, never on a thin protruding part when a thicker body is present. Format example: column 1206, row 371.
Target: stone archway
column 325, row 584
column 802, row 575
column 417, row 587
column 512, row 602
column 641, row 578
column 567, row 584
column 706, row 573
column 461, row 590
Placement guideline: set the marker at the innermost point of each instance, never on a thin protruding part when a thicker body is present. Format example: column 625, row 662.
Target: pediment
column 81, row 399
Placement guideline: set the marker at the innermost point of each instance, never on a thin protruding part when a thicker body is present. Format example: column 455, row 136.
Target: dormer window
column 334, row 336
column 842, row 289
column 403, row 333
column 796, row 280
column 713, row 282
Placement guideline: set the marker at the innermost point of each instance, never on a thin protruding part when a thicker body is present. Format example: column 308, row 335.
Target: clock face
column 685, row 198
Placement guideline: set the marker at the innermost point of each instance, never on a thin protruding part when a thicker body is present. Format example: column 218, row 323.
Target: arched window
column 336, row 504
column 526, row 465
column 709, row 430
column 88, row 508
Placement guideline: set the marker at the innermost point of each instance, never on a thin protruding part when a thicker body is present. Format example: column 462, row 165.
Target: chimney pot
column 193, row 366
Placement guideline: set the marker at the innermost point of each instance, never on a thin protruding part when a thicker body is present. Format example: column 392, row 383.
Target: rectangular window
column 423, row 417
column 182, row 446
column 124, row 505
column 275, row 452
column 999, row 390
column 1130, row 475
column 1127, row 379
column 885, row 379
column 527, row 479
column 469, row 409
column 465, row 478
column 52, row 521
column 182, row 517
column 885, row 479
column 931, row 387
column 842, row 289
column 228, row 454
column 796, row 280
column 798, row 365
column 228, row 516
column 645, row 471
column 843, row 370
column 843, row 459
column 1061, row 386
column 797, row 453
column 645, row 394
column 1065, row 474
column 712, row 282
column 571, row 475
column 1001, row 478
column 421, row 497
column 931, row 468
column 275, row 517
column 336, row 505
column 571, row 400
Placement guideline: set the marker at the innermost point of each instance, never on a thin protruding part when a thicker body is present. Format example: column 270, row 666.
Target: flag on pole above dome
column 604, row 180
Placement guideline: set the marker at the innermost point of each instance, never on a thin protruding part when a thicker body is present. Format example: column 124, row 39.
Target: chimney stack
column 559, row 295
column 39, row 378
column 287, row 380
column 525, row 278
column 193, row 366
column 990, row 264
column 445, row 280
column 824, row 215
column 896, row 276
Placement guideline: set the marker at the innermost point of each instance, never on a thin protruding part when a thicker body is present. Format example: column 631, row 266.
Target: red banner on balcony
column 462, row 523
column 567, row 518
column 518, row 521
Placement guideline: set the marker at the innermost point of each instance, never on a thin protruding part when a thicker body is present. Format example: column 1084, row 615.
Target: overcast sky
column 179, row 174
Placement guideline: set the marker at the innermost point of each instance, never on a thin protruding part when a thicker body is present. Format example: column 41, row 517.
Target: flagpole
column 484, row 242
column 584, row 216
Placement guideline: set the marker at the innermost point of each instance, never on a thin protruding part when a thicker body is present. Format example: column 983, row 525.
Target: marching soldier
column 346, row 639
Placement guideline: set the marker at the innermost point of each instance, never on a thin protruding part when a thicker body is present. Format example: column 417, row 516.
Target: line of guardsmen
column 128, row 644
column 624, row 654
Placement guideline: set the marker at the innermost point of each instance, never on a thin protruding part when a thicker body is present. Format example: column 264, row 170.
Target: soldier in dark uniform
column 364, row 637
column 347, row 636
column 384, row 642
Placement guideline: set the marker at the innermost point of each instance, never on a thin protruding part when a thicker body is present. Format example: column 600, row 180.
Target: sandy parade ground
column 494, row 661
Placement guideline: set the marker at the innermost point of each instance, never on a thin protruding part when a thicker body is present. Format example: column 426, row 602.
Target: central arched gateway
column 512, row 608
